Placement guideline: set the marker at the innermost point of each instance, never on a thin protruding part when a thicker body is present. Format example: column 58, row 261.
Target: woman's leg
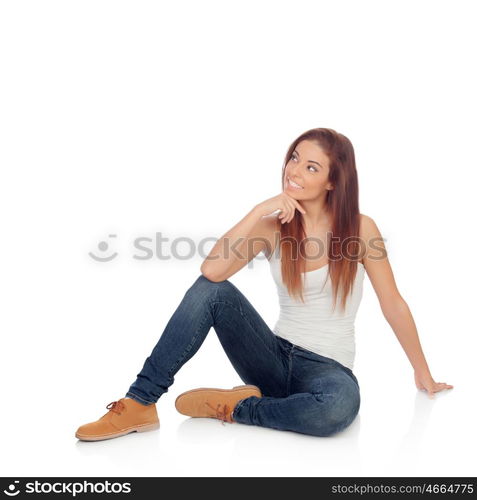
column 253, row 349
column 324, row 398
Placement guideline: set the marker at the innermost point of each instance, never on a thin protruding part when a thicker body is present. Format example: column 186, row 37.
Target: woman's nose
column 295, row 170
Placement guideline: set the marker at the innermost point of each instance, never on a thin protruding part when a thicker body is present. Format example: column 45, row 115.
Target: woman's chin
column 292, row 192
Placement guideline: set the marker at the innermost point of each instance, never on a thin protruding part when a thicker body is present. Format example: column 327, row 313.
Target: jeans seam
column 245, row 318
column 290, row 367
column 303, row 395
column 188, row 348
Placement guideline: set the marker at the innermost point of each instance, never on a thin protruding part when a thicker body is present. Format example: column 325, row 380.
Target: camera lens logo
column 103, row 247
column 11, row 492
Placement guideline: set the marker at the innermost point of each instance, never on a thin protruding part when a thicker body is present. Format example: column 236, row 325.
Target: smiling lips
column 292, row 184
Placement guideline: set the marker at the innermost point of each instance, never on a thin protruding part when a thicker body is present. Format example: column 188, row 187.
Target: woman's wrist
column 422, row 370
column 257, row 211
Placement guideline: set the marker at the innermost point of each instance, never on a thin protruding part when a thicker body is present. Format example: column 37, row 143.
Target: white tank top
column 314, row 325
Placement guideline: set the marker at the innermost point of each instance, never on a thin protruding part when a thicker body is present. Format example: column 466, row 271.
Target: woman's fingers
column 295, row 204
column 283, row 216
column 443, row 385
column 288, row 211
column 293, row 207
column 284, row 213
column 299, row 207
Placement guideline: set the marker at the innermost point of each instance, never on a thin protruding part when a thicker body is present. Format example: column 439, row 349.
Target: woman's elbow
column 207, row 272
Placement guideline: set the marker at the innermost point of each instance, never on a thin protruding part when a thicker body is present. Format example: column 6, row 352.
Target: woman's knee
column 204, row 287
column 341, row 416
column 207, row 288
column 336, row 413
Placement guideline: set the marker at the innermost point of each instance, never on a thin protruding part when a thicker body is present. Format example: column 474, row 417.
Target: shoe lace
column 116, row 407
column 222, row 412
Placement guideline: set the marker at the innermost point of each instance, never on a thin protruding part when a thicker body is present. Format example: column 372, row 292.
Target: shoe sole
column 238, row 388
column 141, row 428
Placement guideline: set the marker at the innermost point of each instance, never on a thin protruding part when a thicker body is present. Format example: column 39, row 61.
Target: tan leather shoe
column 124, row 416
column 214, row 403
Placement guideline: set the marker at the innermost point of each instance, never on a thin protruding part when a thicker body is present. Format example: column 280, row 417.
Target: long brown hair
column 342, row 205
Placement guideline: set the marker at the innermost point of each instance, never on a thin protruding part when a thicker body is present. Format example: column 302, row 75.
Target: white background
column 133, row 118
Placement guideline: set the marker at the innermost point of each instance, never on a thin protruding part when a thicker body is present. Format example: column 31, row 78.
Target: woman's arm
column 399, row 317
column 253, row 234
column 394, row 307
column 237, row 247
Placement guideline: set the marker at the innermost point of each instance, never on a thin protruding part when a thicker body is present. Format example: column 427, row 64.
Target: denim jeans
column 301, row 391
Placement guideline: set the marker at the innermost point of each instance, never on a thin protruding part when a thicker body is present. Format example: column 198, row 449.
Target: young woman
column 299, row 376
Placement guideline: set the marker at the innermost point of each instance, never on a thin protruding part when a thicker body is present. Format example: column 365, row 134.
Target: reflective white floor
column 399, row 431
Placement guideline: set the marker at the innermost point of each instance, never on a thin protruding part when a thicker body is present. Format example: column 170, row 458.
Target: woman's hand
column 283, row 202
column 425, row 382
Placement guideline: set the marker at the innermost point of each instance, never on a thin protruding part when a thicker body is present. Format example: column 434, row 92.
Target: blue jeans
column 302, row 391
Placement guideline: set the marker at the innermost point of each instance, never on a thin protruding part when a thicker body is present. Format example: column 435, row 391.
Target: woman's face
column 309, row 168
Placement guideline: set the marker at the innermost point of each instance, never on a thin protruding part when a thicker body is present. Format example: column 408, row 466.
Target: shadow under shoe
column 214, row 403
column 125, row 416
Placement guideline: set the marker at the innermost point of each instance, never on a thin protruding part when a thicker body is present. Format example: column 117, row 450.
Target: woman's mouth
column 293, row 185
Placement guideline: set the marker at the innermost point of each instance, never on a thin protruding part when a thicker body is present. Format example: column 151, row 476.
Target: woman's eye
column 293, row 157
